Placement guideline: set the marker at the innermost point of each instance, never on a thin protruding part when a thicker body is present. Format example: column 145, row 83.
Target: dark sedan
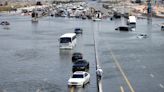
column 123, row 28
column 76, row 56
column 78, row 30
column 80, row 65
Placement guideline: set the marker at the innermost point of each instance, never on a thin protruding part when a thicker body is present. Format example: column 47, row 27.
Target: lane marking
column 138, row 61
column 122, row 89
column 114, row 66
column 144, row 67
column 4, row 90
column 100, row 86
column 45, row 79
column 38, row 90
column 122, row 72
column 152, row 75
column 72, row 89
column 161, row 85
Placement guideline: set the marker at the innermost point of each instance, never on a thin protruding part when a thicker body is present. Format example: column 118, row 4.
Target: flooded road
column 30, row 55
column 30, row 59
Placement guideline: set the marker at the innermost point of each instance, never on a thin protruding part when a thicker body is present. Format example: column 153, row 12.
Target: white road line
column 138, row 61
column 100, row 86
column 4, row 90
column 122, row 89
column 161, row 85
column 45, row 79
column 51, row 70
column 151, row 75
column 122, row 72
column 144, row 67
column 38, row 90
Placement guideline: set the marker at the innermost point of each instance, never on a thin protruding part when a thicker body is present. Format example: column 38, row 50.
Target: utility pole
column 149, row 8
column 149, row 11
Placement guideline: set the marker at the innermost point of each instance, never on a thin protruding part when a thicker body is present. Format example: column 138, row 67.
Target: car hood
column 76, row 80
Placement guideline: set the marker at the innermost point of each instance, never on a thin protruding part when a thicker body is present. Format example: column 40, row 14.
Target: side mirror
column 116, row 28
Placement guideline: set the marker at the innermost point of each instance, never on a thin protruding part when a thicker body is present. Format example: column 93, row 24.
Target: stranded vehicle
column 76, row 56
column 79, row 78
column 67, row 41
column 80, row 65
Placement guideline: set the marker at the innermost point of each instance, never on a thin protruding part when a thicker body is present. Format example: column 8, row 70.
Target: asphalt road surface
column 30, row 59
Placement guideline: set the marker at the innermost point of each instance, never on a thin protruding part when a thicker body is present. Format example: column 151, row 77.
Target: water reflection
column 65, row 54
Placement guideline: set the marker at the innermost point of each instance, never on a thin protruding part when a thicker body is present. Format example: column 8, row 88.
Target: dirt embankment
column 12, row 6
column 157, row 11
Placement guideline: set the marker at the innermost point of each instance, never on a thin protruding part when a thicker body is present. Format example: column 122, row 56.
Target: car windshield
column 80, row 62
column 65, row 40
column 77, row 76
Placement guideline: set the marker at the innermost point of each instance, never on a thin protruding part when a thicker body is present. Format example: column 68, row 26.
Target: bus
column 67, row 41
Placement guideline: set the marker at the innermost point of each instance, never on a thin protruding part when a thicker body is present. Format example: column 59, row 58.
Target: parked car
column 123, row 28
column 136, row 1
column 79, row 78
column 78, row 30
column 84, row 17
column 76, row 56
column 126, row 15
column 106, row 6
column 80, row 65
column 117, row 15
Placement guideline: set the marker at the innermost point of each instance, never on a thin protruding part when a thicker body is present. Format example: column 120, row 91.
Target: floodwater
column 30, row 59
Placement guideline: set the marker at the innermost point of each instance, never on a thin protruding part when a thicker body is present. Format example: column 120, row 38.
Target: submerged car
column 4, row 23
column 142, row 35
column 78, row 30
column 76, row 56
column 80, row 65
column 123, row 28
column 162, row 27
column 117, row 15
column 79, row 78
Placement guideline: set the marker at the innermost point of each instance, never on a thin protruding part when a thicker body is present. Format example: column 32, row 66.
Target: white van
column 131, row 20
column 67, row 41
